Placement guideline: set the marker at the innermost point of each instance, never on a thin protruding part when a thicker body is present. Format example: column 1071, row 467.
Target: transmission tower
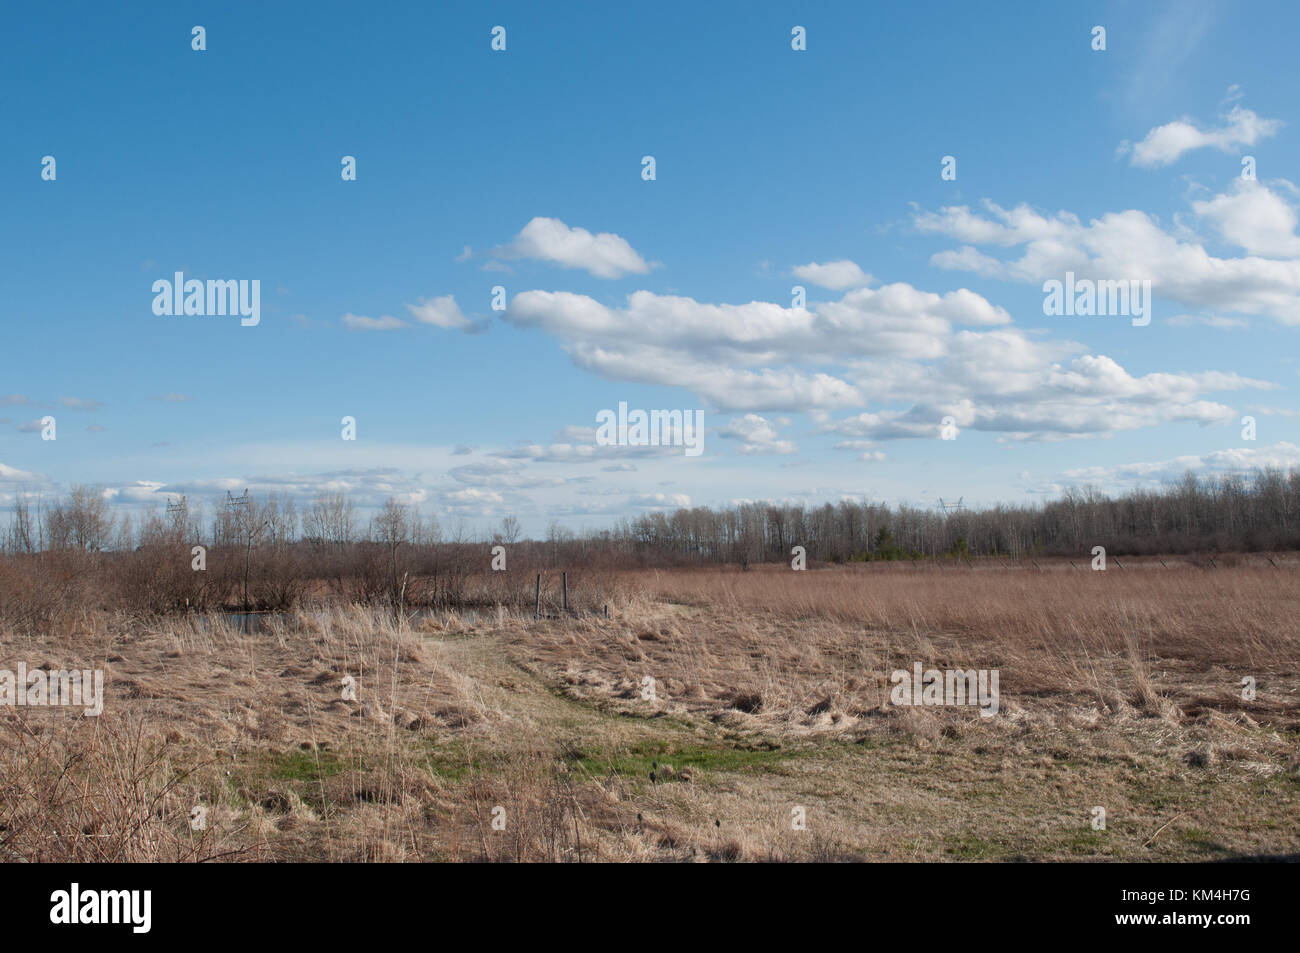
column 178, row 513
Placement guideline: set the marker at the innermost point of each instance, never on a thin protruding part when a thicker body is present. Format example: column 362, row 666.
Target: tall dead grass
column 1242, row 616
column 814, row 650
column 456, row 716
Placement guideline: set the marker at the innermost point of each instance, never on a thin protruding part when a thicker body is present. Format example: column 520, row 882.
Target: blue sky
column 522, row 168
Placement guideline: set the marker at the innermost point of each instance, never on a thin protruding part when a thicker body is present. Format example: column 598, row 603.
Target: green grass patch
column 304, row 765
column 454, row 761
column 1087, row 841
column 972, row 847
column 639, row 759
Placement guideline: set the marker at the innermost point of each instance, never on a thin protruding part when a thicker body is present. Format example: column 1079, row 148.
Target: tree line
column 1258, row 511
column 261, row 552
column 1255, row 511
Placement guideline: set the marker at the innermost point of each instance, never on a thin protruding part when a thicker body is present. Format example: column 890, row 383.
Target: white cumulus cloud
column 836, row 275
column 756, row 435
column 604, row 255
column 442, row 312
column 1165, row 144
column 359, row 322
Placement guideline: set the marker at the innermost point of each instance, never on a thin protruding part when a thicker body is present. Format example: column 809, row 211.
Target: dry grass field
column 1120, row 690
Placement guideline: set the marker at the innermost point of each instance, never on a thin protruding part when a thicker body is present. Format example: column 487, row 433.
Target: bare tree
column 331, row 519
column 20, row 526
column 509, row 530
column 395, row 526
column 81, row 522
